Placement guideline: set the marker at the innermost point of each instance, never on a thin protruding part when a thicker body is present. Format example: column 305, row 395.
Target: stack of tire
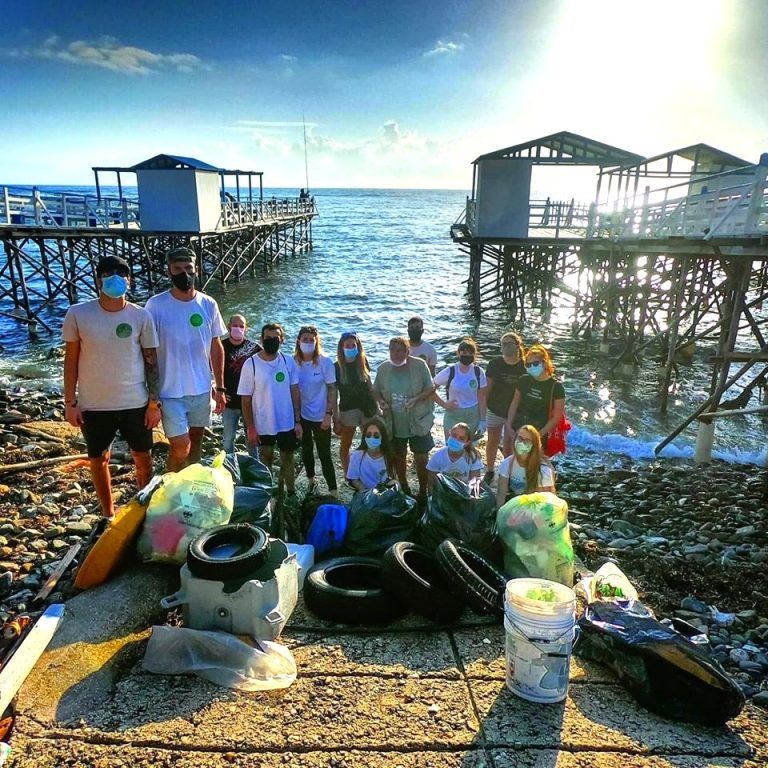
column 435, row 584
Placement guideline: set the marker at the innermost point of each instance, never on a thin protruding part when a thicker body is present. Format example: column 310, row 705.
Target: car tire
column 411, row 573
column 250, row 546
column 349, row 590
column 480, row 582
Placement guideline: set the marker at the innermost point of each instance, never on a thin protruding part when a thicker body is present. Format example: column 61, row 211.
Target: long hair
column 386, row 443
column 516, row 340
column 361, row 360
column 298, row 354
column 538, row 349
column 535, row 460
column 469, row 448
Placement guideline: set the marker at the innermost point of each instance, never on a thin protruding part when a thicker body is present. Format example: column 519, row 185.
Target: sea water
column 381, row 256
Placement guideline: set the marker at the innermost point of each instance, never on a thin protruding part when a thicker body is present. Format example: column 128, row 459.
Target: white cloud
column 444, row 47
column 108, row 53
column 288, row 58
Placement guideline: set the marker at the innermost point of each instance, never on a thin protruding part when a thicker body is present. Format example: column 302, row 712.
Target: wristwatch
column 220, row 389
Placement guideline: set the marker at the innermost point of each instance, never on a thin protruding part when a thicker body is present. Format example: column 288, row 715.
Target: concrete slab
column 392, row 655
column 319, row 712
column 550, row 759
column 481, row 651
column 594, row 717
column 100, row 636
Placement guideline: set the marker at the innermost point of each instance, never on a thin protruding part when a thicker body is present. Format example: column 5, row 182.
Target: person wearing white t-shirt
column 189, row 327
column 525, row 470
column 110, row 376
column 373, row 462
column 458, row 459
column 465, row 391
column 419, row 347
column 271, row 401
column 317, row 385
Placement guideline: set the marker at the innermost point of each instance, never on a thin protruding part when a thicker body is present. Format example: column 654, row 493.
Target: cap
column 112, row 264
column 181, row 253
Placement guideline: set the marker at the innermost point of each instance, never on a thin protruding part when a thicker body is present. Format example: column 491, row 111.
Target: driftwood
column 37, row 433
column 25, row 465
column 58, row 572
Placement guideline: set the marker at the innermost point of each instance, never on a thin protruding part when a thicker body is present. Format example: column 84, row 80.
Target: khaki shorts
column 352, row 418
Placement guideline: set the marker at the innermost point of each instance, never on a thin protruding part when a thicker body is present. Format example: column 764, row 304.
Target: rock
column 745, row 532
column 749, row 618
column 761, row 699
column 6, row 583
column 78, row 528
column 621, row 543
column 692, row 604
column 696, row 549
column 625, row 529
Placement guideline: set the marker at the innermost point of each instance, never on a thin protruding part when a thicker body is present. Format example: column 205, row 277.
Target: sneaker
column 488, row 477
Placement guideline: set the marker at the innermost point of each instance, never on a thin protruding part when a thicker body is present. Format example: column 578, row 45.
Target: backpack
column 451, row 376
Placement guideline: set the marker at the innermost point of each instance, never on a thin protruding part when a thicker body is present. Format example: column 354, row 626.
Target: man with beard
column 419, row 348
column 189, row 326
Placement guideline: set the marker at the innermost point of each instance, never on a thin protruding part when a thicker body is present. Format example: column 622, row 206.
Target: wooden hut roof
column 566, row 148
column 697, row 154
column 163, row 162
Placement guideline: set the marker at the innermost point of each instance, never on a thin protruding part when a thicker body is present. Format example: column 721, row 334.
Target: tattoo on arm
column 151, row 373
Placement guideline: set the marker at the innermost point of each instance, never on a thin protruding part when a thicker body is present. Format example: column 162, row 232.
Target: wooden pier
column 672, row 251
column 52, row 242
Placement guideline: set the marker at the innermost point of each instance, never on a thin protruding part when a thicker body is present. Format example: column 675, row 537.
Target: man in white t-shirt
column 110, row 360
column 271, row 402
column 419, row 348
column 189, row 327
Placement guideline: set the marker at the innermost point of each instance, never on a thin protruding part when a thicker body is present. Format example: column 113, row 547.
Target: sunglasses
column 373, row 434
column 532, row 363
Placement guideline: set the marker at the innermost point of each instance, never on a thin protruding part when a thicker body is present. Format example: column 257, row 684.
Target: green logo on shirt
column 196, row 320
column 473, row 384
column 123, row 331
column 280, row 376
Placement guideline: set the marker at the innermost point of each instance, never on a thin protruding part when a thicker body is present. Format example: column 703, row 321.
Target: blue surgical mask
column 114, row 286
column 523, row 447
column 373, row 442
column 454, row 444
column 535, row 370
column 350, row 354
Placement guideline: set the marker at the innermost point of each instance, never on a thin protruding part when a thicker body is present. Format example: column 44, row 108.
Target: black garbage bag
column 379, row 517
column 254, row 489
column 660, row 667
column 456, row 510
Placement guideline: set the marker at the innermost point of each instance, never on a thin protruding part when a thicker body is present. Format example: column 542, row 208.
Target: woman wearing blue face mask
column 458, row 459
column 373, row 462
column 525, row 470
column 356, row 399
column 540, row 398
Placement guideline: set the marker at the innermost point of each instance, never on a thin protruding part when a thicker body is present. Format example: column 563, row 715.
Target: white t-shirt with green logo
column 268, row 383
column 440, row 461
column 464, row 385
column 185, row 330
column 110, row 368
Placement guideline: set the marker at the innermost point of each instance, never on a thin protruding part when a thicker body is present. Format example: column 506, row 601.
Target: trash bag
column 220, row 658
column 661, row 668
column 254, row 488
column 379, row 517
column 328, row 530
column 188, row 502
column 462, row 511
column 534, row 530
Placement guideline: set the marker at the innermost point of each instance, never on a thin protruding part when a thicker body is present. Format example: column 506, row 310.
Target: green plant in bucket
column 542, row 594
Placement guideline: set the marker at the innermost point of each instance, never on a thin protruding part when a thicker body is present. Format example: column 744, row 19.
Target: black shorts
column 286, row 441
column 100, row 428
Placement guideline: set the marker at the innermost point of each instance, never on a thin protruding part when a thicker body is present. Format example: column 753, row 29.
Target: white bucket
column 539, row 637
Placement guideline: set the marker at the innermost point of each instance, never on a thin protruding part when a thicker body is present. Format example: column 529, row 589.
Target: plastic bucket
column 539, row 620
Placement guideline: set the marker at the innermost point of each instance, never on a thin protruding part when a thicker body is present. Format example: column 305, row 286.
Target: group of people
column 126, row 368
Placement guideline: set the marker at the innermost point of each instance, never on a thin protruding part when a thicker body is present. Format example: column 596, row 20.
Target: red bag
column 556, row 440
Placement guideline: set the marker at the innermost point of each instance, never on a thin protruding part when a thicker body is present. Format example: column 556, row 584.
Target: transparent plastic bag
column 220, row 658
column 188, row 502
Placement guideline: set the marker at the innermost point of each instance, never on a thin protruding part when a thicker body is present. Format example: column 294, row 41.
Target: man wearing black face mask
column 419, row 348
column 190, row 327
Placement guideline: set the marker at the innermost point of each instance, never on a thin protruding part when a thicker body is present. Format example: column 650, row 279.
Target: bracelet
column 220, row 389
column 155, row 405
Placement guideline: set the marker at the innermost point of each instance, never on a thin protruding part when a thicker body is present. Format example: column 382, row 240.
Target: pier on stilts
column 672, row 251
column 51, row 242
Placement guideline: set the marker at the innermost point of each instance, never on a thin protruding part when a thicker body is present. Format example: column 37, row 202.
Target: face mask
column 236, row 333
column 466, row 359
column 373, row 442
column 400, row 364
column 271, row 345
column 183, row 281
column 350, row 354
column 454, row 444
column 307, row 347
column 523, row 448
column 535, row 370
column 415, row 334
column 114, row 286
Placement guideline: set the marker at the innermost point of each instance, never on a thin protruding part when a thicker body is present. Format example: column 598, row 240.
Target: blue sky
column 394, row 94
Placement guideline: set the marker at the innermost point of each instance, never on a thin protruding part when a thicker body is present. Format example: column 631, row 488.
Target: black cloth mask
column 466, row 359
column 183, row 281
column 415, row 334
column 271, row 345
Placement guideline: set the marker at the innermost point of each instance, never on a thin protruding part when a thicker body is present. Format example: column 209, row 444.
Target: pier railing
column 236, row 213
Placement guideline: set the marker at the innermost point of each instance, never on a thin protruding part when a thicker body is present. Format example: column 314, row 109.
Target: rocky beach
column 692, row 538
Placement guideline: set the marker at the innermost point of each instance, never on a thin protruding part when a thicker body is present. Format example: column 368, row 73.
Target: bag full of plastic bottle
column 537, row 542
column 188, row 502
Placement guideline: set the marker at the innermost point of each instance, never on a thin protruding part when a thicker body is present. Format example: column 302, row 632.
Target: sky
column 399, row 94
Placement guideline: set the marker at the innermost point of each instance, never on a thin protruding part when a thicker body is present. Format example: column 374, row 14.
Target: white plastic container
column 305, row 556
column 539, row 638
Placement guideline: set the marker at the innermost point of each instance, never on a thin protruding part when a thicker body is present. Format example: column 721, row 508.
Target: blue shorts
column 418, row 443
column 181, row 413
